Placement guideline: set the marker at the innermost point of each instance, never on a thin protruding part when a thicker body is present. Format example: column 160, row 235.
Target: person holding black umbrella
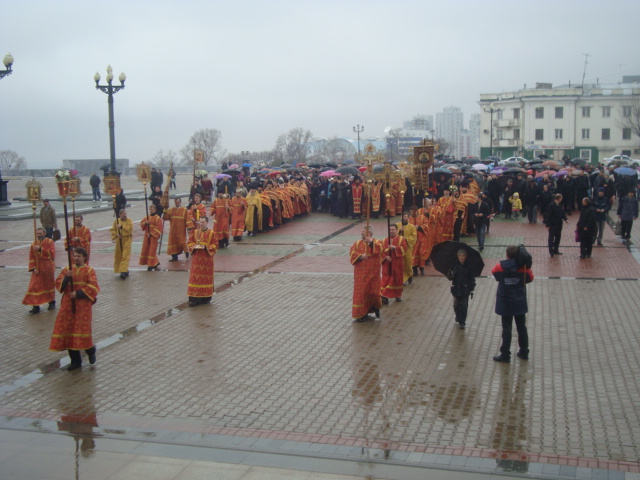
column 462, row 286
column 512, row 275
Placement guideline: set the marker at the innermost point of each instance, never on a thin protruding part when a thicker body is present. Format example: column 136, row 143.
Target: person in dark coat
column 511, row 303
column 587, row 228
column 602, row 205
column 481, row 213
column 546, row 197
column 95, row 181
column 121, row 202
column 553, row 220
column 462, row 286
column 583, row 185
column 568, row 191
column 627, row 212
column 531, row 199
column 507, row 192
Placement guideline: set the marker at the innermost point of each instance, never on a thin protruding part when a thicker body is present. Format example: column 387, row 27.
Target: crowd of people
column 454, row 206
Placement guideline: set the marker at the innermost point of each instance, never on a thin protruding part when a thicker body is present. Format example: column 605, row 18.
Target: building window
column 558, row 134
column 539, row 134
column 586, row 112
column 516, row 113
column 626, row 134
column 586, row 134
column 606, row 134
column 516, row 134
column 559, row 112
column 539, row 112
column 499, row 113
column 606, row 112
column 500, row 134
column 626, row 111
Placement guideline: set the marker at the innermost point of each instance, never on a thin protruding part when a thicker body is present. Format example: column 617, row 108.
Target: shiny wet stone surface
column 275, row 362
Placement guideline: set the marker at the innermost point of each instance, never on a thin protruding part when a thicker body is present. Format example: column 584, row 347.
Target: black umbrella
column 331, row 164
column 514, row 171
column 445, row 256
column 348, row 170
column 536, row 160
column 315, row 165
column 229, row 171
column 504, row 179
column 286, row 165
column 579, row 161
column 536, row 166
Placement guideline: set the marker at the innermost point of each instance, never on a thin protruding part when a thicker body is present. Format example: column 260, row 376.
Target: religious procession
column 428, row 210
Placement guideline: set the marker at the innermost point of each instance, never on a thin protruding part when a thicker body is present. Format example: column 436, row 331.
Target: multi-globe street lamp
column 110, row 90
column 8, row 62
column 359, row 128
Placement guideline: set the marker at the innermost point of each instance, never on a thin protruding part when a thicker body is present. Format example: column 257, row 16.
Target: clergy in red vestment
column 152, row 228
column 178, row 217
column 203, row 244
column 426, row 232
column 356, row 198
column 392, row 265
column 220, row 209
column 72, row 330
column 42, row 265
column 366, row 255
column 238, row 210
column 196, row 211
column 79, row 236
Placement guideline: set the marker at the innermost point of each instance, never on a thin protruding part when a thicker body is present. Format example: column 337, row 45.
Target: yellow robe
column 122, row 255
column 254, row 204
column 411, row 236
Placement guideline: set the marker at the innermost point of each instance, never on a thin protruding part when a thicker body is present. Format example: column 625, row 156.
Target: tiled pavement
column 273, row 373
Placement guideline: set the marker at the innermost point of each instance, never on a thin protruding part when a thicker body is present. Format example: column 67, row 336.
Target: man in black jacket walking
column 554, row 217
column 462, row 285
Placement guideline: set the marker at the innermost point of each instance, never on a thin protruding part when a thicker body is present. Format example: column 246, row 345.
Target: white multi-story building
column 449, row 125
column 577, row 121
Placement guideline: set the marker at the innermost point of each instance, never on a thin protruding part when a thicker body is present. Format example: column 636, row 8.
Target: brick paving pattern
column 276, row 355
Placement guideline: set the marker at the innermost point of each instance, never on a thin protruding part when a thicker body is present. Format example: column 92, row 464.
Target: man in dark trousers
column 462, row 285
column 481, row 214
column 94, row 181
column 554, row 216
column 511, row 303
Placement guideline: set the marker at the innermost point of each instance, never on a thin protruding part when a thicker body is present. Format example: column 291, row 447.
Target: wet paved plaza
column 274, row 373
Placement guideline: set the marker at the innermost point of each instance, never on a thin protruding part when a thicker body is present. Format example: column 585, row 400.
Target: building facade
column 576, row 121
column 449, row 125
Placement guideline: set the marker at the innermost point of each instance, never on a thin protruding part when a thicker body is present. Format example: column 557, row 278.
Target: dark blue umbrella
column 248, row 165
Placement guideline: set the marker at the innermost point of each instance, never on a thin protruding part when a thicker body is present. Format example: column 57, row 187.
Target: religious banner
column 111, row 185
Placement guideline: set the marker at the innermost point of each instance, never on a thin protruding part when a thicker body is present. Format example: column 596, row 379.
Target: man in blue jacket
column 511, row 302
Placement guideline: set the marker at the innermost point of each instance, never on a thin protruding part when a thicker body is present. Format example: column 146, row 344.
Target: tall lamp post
column 490, row 110
column 110, row 90
column 359, row 128
column 8, row 62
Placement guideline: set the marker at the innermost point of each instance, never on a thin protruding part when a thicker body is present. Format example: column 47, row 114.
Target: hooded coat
column 511, row 297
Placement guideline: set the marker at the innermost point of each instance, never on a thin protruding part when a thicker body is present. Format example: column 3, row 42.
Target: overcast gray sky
column 256, row 69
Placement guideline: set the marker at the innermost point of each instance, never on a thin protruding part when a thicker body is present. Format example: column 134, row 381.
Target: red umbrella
column 362, row 169
column 273, row 174
column 545, row 172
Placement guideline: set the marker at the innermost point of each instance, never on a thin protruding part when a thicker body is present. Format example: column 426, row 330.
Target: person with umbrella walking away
column 512, row 276
column 462, row 286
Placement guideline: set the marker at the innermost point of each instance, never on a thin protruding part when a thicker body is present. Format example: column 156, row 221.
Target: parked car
column 625, row 158
column 520, row 160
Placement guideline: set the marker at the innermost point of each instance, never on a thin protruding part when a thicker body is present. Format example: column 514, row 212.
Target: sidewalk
column 274, row 374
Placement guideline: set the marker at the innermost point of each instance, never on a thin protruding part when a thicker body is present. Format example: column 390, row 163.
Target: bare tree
column 164, row 159
column 292, row 147
column 630, row 116
column 10, row 160
column 209, row 141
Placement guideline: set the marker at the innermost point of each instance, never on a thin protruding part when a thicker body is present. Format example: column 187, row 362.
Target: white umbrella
column 480, row 166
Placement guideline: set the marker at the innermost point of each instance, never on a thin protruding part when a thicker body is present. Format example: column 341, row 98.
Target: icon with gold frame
column 144, row 173
column 34, row 191
column 111, row 184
